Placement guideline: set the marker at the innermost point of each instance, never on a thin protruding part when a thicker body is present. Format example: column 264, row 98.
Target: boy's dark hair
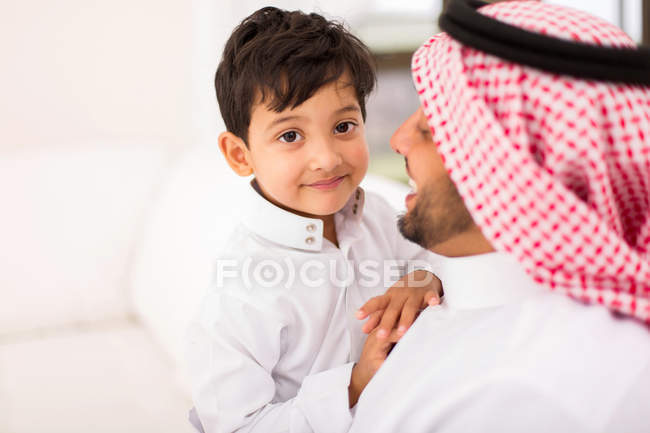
column 286, row 57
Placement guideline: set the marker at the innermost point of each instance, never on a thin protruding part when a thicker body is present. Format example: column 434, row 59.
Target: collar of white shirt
column 484, row 281
column 285, row 228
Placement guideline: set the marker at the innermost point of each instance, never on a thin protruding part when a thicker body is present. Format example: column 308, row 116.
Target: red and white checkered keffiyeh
column 555, row 170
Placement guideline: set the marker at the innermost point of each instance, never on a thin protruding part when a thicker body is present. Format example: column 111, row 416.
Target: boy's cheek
column 361, row 159
column 357, row 153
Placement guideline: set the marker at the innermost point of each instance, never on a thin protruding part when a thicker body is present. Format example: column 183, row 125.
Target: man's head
column 292, row 89
column 553, row 169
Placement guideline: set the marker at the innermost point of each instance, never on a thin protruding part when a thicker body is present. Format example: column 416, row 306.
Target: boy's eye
column 290, row 137
column 344, row 127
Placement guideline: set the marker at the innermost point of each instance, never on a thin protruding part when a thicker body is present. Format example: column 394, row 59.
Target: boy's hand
column 374, row 354
column 403, row 301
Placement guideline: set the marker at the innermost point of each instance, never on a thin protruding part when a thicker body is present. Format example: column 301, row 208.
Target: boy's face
column 311, row 158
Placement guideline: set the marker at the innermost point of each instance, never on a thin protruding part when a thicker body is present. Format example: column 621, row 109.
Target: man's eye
column 344, row 127
column 290, row 137
column 426, row 133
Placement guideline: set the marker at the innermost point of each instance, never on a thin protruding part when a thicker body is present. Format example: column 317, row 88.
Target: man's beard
column 438, row 215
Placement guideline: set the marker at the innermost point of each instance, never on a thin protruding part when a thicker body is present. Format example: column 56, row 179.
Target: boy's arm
column 418, row 288
column 232, row 352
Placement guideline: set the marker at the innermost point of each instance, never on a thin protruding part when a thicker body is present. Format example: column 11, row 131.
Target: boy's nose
column 325, row 157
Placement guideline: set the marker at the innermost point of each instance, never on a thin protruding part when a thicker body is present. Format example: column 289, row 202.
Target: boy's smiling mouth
column 329, row 183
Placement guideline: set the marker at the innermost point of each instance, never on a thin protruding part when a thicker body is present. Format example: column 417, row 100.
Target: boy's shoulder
column 245, row 241
column 248, row 264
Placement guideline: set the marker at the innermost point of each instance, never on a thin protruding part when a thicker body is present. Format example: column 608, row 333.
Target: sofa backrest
column 68, row 220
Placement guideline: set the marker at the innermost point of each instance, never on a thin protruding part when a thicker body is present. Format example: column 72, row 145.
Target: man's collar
column 484, row 281
column 288, row 229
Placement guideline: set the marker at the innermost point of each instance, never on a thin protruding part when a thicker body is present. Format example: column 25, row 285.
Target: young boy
column 275, row 343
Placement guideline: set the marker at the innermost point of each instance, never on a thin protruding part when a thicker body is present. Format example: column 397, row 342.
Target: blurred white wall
column 76, row 70
column 624, row 13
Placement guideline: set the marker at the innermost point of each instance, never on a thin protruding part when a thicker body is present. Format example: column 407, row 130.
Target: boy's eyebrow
column 282, row 120
column 347, row 108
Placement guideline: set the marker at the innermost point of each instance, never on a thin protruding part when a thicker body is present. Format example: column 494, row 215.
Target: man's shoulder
column 548, row 340
column 561, row 353
column 582, row 356
column 569, row 320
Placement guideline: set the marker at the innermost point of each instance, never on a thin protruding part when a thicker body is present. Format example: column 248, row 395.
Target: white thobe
column 503, row 354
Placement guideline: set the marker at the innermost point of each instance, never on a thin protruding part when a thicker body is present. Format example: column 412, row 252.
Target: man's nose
column 398, row 142
column 401, row 140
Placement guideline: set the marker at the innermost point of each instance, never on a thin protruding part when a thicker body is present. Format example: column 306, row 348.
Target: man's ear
column 236, row 153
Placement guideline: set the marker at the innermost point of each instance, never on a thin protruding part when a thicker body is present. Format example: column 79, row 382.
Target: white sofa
column 105, row 252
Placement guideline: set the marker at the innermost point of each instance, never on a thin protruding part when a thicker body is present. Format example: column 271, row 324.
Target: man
column 536, row 186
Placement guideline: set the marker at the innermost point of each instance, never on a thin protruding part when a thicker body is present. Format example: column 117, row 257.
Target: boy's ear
column 236, row 153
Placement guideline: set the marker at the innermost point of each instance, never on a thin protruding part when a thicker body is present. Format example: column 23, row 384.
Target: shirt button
column 354, row 209
column 358, row 194
column 310, row 240
column 311, row 228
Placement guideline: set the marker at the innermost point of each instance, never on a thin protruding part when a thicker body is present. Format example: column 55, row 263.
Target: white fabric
column 279, row 358
column 503, row 354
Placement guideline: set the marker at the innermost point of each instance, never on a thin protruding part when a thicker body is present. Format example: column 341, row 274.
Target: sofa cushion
column 67, row 223
column 103, row 378
column 174, row 259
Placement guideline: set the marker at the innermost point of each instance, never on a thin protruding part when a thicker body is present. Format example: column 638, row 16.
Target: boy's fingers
column 374, row 304
column 383, row 345
column 409, row 313
column 431, row 298
column 390, row 317
column 394, row 337
column 372, row 321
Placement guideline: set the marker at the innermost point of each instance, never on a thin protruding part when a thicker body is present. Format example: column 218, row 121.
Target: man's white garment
column 503, row 354
column 274, row 354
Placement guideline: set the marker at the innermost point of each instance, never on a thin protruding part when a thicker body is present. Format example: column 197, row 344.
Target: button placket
column 357, row 195
column 310, row 228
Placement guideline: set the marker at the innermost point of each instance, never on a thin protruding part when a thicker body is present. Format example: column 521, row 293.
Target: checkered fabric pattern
column 555, row 170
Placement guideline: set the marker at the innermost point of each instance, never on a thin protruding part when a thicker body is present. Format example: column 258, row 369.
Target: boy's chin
column 325, row 209
column 322, row 211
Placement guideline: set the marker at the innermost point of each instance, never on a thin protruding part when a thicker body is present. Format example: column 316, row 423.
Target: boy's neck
column 329, row 229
